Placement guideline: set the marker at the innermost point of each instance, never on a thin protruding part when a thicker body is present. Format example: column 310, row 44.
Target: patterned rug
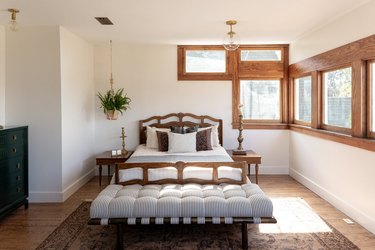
column 298, row 227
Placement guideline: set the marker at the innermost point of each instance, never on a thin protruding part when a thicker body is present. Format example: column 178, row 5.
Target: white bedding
column 142, row 150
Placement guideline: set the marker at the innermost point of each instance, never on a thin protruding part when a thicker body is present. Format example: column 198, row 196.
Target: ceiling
column 181, row 21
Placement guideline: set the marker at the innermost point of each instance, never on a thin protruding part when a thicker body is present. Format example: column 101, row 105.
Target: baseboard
column 270, row 170
column 355, row 214
column 54, row 197
column 71, row 189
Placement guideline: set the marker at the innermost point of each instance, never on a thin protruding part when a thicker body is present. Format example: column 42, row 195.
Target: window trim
column 181, row 64
column 371, row 99
column 281, row 73
column 293, row 103
column 333, row 127
column 265, row 121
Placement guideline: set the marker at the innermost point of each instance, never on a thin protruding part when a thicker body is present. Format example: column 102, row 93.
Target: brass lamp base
column 239, row 152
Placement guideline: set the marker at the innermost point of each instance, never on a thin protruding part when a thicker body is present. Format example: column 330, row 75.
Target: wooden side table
column 251, row 158
column 106, row 158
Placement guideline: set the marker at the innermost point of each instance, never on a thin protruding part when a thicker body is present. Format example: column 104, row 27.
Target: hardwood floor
column 26, row 229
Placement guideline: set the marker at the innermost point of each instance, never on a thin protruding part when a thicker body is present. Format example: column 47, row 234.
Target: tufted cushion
column 186, row 201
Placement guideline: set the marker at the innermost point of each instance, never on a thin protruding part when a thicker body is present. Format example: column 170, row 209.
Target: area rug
column 298, row 227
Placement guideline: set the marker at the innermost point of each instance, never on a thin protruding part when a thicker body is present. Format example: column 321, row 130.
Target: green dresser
column 14, row 188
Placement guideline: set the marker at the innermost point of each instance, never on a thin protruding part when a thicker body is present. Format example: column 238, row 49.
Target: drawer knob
column 14, row 137
column 14, row 150
column 19, row 190
column 18, row 178
column 18, row 166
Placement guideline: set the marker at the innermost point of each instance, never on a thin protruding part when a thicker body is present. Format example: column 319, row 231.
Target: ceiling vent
column 104, row 20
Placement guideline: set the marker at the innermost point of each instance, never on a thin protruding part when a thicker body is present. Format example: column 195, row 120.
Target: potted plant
column 113, row 102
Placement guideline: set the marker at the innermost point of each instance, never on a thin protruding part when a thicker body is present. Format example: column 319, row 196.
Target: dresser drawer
column 12, row 137
column 11, row 194
column 11, row 179
column 11, row 151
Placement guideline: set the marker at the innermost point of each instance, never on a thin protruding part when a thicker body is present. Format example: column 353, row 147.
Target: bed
column 174, row 187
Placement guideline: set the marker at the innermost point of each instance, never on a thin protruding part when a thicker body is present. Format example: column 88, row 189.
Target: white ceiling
column 181, row 21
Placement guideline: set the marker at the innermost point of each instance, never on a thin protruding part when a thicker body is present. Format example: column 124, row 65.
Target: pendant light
column 13, row 25
column 231, row 40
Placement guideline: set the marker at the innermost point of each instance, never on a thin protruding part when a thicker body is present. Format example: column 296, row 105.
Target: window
column 205, row 61
column 260, row 55
column 302, row 99
column 260, row 99
column 200, row 62
column 337, row 99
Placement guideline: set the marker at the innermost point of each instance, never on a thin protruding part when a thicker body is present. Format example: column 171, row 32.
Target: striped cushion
column 181, row 201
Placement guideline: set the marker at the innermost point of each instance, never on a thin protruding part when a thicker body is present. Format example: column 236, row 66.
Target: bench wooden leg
column 120, row 236
column 244, row 236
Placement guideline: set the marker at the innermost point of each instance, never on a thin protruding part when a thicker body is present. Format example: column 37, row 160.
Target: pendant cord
column 111, row 79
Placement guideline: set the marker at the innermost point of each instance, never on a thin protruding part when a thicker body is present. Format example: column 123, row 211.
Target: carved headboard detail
column 179, row 119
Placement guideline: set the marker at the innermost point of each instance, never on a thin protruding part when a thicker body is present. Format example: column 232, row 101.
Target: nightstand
column 106, row 158
column 251, row 158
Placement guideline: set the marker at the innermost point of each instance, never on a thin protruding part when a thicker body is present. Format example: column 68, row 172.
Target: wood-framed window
column 263, row 71
column 371, row 98
column 198, row 62
column 261, row 100
column 359, row 56
column 302, row 100
column 337, row 100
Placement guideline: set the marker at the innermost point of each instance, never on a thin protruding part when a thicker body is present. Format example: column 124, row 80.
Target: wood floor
column 26, row 229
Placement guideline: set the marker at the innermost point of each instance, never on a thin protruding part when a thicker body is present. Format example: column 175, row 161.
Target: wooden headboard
column 179, row 119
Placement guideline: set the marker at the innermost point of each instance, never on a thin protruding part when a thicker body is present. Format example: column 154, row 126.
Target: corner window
column 302, row 99
column 260, row 99
column 337, row 98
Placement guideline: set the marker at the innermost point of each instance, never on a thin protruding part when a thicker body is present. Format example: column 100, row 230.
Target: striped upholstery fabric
column 174, row 201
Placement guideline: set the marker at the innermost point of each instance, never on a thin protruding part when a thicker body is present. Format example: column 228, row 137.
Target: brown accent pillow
column 204, row 140
column 162, row 141
column 177, row 130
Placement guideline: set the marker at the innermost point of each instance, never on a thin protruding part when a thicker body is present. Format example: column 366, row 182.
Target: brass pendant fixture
column 13, row 25
column 231, row 40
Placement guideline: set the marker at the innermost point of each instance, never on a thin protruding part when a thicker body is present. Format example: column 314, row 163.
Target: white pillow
column 215, row 142
column 182, row 143
column 152, row 138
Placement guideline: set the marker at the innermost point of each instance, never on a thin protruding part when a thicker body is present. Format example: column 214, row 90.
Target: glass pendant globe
column 13, row 25
column 231, row 42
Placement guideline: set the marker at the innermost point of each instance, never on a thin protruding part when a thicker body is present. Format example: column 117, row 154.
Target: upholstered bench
column 183, row 203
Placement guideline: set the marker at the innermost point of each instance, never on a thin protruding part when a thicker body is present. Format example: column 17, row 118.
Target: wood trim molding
column 363, row 143
column 363, row 49
column 181, row 64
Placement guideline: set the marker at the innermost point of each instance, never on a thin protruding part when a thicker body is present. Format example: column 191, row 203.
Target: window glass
column 302, row 99
column 373, row 96
column 260, row 99
column 205, row 61
column 260, row 55
column 338, row 98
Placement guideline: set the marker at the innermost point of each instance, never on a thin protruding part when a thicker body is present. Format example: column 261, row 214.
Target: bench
column 181, row 193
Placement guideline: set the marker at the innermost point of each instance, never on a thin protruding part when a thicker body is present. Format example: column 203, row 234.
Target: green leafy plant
column 112, row 100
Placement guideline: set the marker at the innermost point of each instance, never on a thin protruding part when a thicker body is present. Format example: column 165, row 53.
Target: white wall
column 148, row 73
column 77, row 110
column 348, row 28
column 33, row 98
column 341, row 174
column 2, row 75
